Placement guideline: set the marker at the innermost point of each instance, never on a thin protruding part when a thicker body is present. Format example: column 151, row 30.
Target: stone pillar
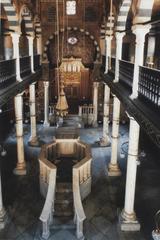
column 128, row 217
column 31, row 53
column 108, row 40
column 15, row 40
column 140, row 31
column 113, row 168
column 33, row 139
column 119, row 45
column 8, row 47
column 39, row 47
column 3, row 215
column 105, row 139
column 95, row 102
column 21, row 164
column 46, row 104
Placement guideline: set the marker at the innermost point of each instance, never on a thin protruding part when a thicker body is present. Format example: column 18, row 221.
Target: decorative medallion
column 72, row 40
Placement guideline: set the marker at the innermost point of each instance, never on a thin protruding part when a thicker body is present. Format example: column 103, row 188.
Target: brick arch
column 85, row 32
column 11, row 14
column 25, row 14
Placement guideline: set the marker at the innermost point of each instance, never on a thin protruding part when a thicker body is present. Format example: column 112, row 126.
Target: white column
column 119, row 45
column 3, row 215
column 39, row 47
column 15, row 40
column 105, row 139
column 21, row 164
column 113, row 168
column 108, row 40
column 140, row 31
column 46, row 103
column 151, row 50
column 33, row 139
column 95, row 102
column 129, row 221
column 31, row 53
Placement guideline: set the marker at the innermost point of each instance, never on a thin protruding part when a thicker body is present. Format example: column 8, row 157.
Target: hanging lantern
column 62, row 105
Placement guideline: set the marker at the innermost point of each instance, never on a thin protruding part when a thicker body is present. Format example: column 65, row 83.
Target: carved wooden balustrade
column 87, row 114
column 126, row 70
column 7, row 73
column 25, row 66
column 149, row 86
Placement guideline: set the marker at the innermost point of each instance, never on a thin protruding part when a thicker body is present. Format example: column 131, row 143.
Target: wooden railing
column 7, row 73
column 149, row 85
column 87, row 114
column 81, row 179
column 126, row 70
column 36, row 62
column 47, row 187
column 25, row 66
column 112, row 63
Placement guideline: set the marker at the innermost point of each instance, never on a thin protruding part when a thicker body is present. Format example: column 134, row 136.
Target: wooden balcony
column 146, row 107
column 7, row 73
column 9, row 87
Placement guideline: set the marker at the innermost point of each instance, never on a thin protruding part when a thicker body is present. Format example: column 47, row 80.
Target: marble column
column 33, row 138
column 21, row 164
column 105, row 139
column 31, row 53
column 119, row 45
column 113, row 168
column 128, row 217
column 108, row 40
column 46, row 103
column 3, row 214
column 8, row 47
column 95, row 102
column 15, row 40
column 151, row 51
column 140, row 31
column 39, row 47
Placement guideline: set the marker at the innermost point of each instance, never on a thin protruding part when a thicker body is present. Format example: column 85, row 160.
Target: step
column 64, row 187
column 62, row 197
column 63, row 223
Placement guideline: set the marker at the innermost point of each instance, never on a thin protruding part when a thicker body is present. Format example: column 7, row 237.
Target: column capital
column 30, row 38
column 140, row 31
column 15, row 36
column 46, row 83
column 119, row 35
column 108, row 37
column 95, row 84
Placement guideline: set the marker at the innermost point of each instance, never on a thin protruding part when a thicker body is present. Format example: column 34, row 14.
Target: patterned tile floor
column 24, row 203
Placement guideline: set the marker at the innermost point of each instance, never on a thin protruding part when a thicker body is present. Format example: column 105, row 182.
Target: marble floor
column 24, row 203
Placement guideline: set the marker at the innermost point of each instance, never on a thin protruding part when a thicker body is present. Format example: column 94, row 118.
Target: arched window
column 70, row 7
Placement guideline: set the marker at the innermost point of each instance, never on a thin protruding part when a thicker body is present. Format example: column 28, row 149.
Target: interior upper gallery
column 80, row 119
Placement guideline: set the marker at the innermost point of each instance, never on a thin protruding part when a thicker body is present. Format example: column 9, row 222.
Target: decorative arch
column 144, row 11
column 98, row 55
column 11, row 14
column 123, row 14
column 25, row 14
column 37, row 26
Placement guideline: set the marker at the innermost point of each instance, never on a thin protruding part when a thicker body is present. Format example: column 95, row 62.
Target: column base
column 20, row 169
column 156, row 235
column 3, row 218
column 128, row 222
column 113, row 170
column 34, row 142
column 104, row 142
column 46, row 124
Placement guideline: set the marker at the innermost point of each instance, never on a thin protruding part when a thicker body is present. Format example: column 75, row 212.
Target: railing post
column 31, row 54
column 119, row 44
column 95, row 102
column 140, row 31
column 80, row 230
column 45, row 231
column 80, row 111
column 15, row 39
